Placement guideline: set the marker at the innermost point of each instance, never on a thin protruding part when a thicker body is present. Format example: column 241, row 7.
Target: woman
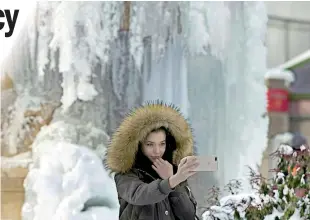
column 150, row 155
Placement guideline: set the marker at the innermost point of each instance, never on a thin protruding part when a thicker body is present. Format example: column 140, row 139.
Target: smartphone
column 207, row 164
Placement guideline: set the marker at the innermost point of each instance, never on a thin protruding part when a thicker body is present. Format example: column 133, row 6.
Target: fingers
column 193, row 165
column 167, row 163
column 193, row 162
column 193, row 168
column 154, row 168
column 157, row 163
column 189, row 167
column 188, row 160
column 190, row 164
column 161, row 160
column 183, row 161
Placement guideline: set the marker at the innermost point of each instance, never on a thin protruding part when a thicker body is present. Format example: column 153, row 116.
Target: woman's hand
column 163, row 168
column 185, row 170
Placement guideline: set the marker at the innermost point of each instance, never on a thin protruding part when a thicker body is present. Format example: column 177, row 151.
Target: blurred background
column 288, row 33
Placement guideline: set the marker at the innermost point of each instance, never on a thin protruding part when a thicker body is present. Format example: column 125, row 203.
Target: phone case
column 207, row 163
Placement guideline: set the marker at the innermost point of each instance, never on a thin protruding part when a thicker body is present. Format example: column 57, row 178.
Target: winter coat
column 142, row 194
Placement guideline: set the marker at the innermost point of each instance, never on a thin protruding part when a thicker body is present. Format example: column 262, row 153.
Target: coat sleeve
column 183, row 202
column 136, row 192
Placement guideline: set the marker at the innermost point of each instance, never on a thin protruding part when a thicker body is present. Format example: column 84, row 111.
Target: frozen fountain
column 107, row 57
column 219, row 84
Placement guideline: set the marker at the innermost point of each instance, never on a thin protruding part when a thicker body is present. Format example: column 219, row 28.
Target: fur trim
column 138, row 124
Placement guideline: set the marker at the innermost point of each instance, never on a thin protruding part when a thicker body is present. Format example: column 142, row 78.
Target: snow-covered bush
column 286, row 196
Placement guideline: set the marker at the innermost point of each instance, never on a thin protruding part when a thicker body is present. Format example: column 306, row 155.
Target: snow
column 278, row 140
column 219, row 36
column 282, row 138
column 255, row 28
column 236, row 133
column 197, row 28
column 201, row 18
column 73, row 132
column 229, row 203
column 303, row 181
column 302, row 148
column 68, row 181
column 81, row 43
column 44, row 36
column 276, row 213
column 16, row 128
column 86, row 91
column 278, row 73
column 67, row 173
column 225, row 211
column 137, row 14
column 286, row 149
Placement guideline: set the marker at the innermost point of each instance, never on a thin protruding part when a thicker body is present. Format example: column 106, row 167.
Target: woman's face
column 154, row 145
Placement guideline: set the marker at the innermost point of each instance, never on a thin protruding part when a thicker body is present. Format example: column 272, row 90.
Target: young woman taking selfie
column 149, row 153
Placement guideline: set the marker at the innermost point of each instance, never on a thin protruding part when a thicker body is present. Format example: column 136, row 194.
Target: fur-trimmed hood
column 138, row 124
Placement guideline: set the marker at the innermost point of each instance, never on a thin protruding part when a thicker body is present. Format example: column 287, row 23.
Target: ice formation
column 227, row 97
column 206, row 57
column 67, row 180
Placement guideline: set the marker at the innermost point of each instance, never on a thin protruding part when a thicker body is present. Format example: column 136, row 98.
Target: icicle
column 255, row 14
column 218, row 23
column 31, row 32
column 83, row 39
column 69, row 94
column 145, row 23
column 64, row 34
column 136, row 40
column 255, row 27
column 44, row 36
column 196, row 30
column 205, row 29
